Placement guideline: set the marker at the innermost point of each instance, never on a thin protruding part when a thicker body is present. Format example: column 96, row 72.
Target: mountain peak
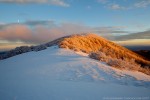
column 93, row 45
column 63, row 69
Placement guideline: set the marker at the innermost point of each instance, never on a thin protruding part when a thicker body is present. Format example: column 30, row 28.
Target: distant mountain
column 138, row 47
column 144, row 53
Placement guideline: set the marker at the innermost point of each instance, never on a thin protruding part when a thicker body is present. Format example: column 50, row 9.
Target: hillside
column 91, row 43
column 62, row 74
column 97, row 47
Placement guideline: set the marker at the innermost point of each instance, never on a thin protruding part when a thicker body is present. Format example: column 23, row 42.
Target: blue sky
column 89, row 12
column 113, row 17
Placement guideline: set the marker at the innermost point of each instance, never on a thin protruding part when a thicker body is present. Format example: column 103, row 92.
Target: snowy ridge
column 62, row 74
column 98, row 48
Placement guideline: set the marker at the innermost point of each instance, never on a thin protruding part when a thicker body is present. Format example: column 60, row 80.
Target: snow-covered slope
column 61, row 74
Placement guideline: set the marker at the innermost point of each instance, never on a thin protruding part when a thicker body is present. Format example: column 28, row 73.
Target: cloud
column 119, row 6
column 8, row 46
column 23, row 33
column 41, row 22
column 112, row 5
column 139, row 35
column 40, row 32
column 51, row 2
column 119, row 31
column 116, row 7
column 135, row 42
column 142, row 4
column 36, row 35
column 37, row 32
column 30, row 23
column 110, row 29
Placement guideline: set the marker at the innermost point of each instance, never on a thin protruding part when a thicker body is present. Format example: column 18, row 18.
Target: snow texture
column 62, row 74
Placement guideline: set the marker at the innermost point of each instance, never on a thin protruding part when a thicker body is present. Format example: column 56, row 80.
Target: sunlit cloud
column 135, row 42
column 42, row 31
column 8, row 46
column 37, row 32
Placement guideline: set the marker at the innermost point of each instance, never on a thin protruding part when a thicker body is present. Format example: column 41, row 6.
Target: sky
column 32, row 22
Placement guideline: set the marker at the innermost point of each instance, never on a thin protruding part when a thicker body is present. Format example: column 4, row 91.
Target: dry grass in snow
column 111, row 53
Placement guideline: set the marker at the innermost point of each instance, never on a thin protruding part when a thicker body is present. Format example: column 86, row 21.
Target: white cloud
column 142, row 4
column 118, row 6
column 52, row 2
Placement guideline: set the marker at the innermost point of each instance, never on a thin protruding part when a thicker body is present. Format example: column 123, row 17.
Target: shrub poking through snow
column 114, row 62
column 122, row 64
column 98, row 56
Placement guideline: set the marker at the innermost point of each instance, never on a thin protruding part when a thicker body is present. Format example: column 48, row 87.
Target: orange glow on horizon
column 8, row 46
column 135, row 42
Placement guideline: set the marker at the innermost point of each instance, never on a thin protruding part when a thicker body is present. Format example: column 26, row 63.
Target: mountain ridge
column 62, row 74
column 89, row 43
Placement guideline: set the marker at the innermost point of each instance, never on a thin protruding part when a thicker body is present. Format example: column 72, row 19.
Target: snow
column 135, row 74
column 81, row 53
column 61, row 74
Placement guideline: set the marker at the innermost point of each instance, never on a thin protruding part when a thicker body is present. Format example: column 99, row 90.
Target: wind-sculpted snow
column 62, row 74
